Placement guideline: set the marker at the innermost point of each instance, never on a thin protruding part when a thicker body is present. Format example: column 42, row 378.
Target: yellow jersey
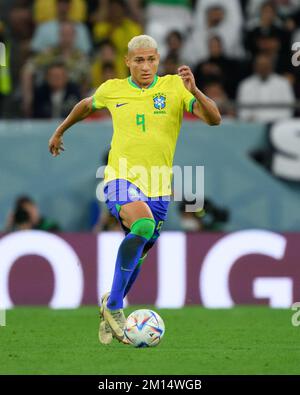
column 146, row 124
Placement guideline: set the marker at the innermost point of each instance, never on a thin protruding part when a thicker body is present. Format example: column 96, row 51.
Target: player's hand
column 188, row 78
column 56, row 145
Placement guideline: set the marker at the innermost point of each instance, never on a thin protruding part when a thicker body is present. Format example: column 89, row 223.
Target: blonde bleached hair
column 142, row 41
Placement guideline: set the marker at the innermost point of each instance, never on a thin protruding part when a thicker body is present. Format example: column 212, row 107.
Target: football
column 144, row 328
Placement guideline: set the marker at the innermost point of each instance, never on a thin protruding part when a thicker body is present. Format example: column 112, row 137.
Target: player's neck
column 140, row 84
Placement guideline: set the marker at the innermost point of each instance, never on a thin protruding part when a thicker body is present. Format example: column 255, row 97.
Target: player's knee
column 143, row 227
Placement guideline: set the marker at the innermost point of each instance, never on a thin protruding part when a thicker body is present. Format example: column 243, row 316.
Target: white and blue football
column 144, row 328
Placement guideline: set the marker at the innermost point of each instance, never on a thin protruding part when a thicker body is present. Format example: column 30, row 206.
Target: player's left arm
column 204, row 108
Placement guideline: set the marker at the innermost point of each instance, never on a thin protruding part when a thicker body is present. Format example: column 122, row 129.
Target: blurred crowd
column 25, row 214
column 59, row 51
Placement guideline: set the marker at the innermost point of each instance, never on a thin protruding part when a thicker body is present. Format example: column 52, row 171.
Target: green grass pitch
column 242, row 340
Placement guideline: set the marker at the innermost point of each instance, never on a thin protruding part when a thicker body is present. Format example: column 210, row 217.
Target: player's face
column 143, row 64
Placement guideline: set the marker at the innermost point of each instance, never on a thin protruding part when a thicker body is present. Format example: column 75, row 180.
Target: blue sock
column 129, row 253
column 134, row 275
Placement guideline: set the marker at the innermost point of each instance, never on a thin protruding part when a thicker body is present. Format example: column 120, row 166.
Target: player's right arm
column 80, row 111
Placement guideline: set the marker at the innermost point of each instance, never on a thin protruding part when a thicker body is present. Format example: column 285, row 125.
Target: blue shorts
column 119, row 192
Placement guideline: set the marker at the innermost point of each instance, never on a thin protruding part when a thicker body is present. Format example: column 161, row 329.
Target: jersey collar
column 132, row 83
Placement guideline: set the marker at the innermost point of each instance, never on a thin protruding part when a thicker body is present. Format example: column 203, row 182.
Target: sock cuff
column 143, row 227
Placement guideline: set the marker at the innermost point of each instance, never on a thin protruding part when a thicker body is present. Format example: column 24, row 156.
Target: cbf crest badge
column 159, row 101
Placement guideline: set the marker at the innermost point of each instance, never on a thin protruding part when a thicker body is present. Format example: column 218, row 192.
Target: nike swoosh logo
column 121, row 104
column 126, row 270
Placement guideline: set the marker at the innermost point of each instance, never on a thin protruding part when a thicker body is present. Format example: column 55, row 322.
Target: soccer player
column 146, row 112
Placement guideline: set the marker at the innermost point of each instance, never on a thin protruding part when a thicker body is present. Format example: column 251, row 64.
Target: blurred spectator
column 221, row 68
column 136, row 11
column 173, row 59
column 163, row 16
column 215, row 18
column 107, row 223
column 118, row 28
column 103, row 220
column 98, row 10
column 109, row 72
column 170, row 65
column 189, row 222
column 45, row 11
column 265, row 87
column 268, row 36
column 47, row 33
column 21, row 220
column 19, row 30
column 284, row 8
column 296, row 23
column 174, row 42
column 57, row 96
column 26, row 215
column 76, row 63
column 216, row 92
column 209, row 218
column 105, row 59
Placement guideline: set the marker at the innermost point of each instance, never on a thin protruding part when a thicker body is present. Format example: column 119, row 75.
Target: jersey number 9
column 140, row 121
